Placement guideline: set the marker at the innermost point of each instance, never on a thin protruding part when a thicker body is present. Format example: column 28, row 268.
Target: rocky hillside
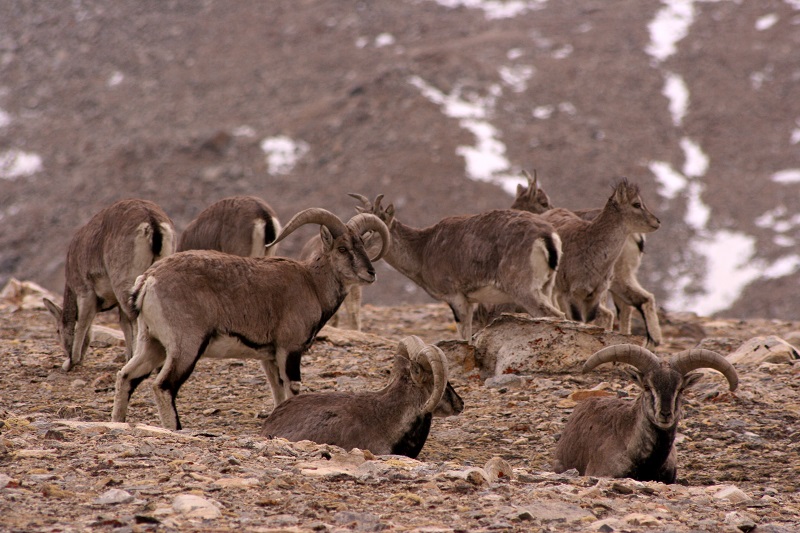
column 432, row 103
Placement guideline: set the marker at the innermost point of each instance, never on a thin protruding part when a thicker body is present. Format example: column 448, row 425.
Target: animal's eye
column 342, row 250
column 637, row 205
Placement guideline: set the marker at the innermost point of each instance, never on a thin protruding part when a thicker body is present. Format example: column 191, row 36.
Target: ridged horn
column 533, row 183
column 365, row 203
column 641, row 358
column 689, row 360
column 432, row 358
column 364, row 222
column 313, row 215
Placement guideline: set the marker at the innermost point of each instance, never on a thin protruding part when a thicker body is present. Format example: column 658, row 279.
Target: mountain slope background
column 436, row 105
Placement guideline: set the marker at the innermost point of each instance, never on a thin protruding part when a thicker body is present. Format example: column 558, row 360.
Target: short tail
column 553, row 244
column 163, row 239
column 137, row 295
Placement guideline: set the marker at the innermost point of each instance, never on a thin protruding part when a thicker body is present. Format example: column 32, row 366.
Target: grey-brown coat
column 238, row 225
column 591, row 249
column 501, row 256
column 625, row 289
column 612, row 437
column 103, row 260
column 393, row 420
column 212, row 304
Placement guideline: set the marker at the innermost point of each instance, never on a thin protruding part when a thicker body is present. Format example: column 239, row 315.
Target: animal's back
column 482, row 244
column 207, row 286
column 330, row 418
column 116, row 245
column 228, row 226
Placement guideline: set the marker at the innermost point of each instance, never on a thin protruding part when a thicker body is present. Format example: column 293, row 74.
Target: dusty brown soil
column 62, row 464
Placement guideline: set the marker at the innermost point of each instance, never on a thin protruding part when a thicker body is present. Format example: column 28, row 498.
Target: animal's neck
column 404, row 254
column 330, row 290
column 610, row 233
column 650, row 446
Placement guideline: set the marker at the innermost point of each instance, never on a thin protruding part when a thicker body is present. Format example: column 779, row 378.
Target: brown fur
column 591, row 248
column 103, row 260
column 625, row 289
column 208, row 303
column 390, row 420
column 231, row 226
column 500, row 256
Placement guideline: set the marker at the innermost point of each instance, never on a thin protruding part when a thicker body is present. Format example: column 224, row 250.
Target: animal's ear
column 635, row 375
column 417, row 372
column 326, row 236
column 54, row 308
column 389, row 216
column 690, row 380
column 520, row 189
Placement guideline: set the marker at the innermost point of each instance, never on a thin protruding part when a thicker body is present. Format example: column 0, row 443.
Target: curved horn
column 431, row 357
column 411, row 346
column 365, row 203
column 313, row 215
column 438, row 363
column 641, row 358
column 364, row 222
column 689, row 360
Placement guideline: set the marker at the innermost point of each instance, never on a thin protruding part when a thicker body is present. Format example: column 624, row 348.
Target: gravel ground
column 65, row 467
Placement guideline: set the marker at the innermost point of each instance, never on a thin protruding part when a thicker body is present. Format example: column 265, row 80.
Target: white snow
column 384, row 39
column 17, row 164
column 5, row 119
column 696, row 163
column 791, row 175
column 517, row 77
column 283, row 153
column 678, row 95
column 496, row 9
column 669, row 27
column 671, row 181
column 486, row 160
column 115, row 79
column 766, row 22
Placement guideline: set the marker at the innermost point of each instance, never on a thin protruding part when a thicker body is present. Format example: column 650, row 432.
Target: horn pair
column 682, row 362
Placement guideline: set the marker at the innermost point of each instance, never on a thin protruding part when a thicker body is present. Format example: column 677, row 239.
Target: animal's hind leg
column 149, row 355
column 176, row 370
column 128, row 328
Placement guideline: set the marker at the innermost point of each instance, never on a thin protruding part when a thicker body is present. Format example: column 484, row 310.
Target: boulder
column 519, row 344
column 769, row 349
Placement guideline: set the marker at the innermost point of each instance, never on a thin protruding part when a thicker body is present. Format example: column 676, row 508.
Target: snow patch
column 496, row 9
column 791, row 175
column 670, row 25
column 384, row 39
column 115, row 79
column 5, row 119
column 283, row 153
column 17, row 164
column 795, row 135
column 486, row 160
column 766, row 22
column 671, row 182
column 516, row 77
column 696, row 163
column 678, row 95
